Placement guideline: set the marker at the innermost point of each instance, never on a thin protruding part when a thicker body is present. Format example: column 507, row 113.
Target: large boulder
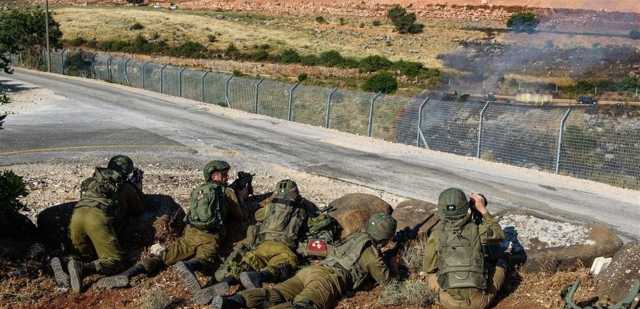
column 411, row 212
column 551, row 244
column 614, row 282
column 352, row 211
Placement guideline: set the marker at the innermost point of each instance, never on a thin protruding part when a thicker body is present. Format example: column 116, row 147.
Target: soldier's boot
column 205, row 295
column 121, row 280
column 62, row 278
column 228, row 302
column 185, row 270
column 254, row 279
column 77, row 271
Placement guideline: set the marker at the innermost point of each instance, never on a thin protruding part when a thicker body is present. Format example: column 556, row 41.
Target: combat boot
column 62, row 278
column 254, row 279
column 185, row 270
column 205, row 295
column 121, row 280
column 232, row 302
column 77, row 271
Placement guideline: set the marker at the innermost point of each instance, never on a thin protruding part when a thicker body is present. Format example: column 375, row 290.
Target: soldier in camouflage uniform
column 271, row 255
column 458, row 269
column 320, row 286
column 213, row 208
column 107, row 199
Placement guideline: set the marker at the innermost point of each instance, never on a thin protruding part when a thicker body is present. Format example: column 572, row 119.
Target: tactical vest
column 461, row 259
column 346, row 256
column 207, row 208
column 101, row 191
column 283, row 222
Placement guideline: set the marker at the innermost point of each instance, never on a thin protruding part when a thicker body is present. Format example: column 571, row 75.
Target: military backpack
column 461, row 259
column 100, row 191
column 284, row 221
column 207, row 207
column 347, row 254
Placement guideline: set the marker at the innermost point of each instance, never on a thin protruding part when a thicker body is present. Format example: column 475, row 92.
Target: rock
column 411, row 212
column 614, row 282
column 551, row 244
column 353, row 210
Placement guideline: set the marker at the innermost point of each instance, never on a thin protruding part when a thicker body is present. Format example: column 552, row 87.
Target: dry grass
column 246, row 30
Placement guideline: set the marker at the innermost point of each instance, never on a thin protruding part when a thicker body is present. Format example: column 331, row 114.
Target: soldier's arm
column 261, row 214
column 490, row 230
column 430, row 258
column 371, row 260
column 131, row 199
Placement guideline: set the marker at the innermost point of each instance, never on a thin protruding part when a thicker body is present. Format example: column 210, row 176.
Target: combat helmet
column 287, row 189
column 214, row 166
column 121, row 164
column 453, row 204
column 381, row 226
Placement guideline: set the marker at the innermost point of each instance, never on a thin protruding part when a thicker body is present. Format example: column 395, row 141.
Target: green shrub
column 321, row 20
column 232, row 52
column 409, row 68
column 189, row 49
column 289, row 56
column 260, row 55
column 403, row 21
column 635, row 34
column 76, row 65
column 383, row 82
column 77, row 41
column 374, row 63
column 141, row 45
column 331, row 58
column 310, row 60
column 523, row 22
column 302, row 77
column 12, row 187
column 376, row 23
column 237, row 73
column 136, row 26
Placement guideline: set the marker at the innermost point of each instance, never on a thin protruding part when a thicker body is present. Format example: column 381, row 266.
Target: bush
column 310, row 60
column 237, row 73
column 232, row 52
column 260, row 55
column 289, row 56
column 409, row 68
column 302, row 77
column 383, row 82
column 78, row 41
column 189, row 49
column 12, row 187
column 136, row 26
column 376, row 23
column 76, row 64
column 331, row 58
column 141, row 45
column 212, row 38
column 374, row 63
column 403, row 21
column 523, row 22
column 635, row 34
column 321, row 20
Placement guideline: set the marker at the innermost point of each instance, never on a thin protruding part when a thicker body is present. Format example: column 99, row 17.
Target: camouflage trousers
column 194, row 244
column 317, row 286
column 269, row 256
column 92, row 234
column 476, row 299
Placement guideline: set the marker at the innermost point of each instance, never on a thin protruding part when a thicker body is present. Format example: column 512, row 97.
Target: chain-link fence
column 599, row 143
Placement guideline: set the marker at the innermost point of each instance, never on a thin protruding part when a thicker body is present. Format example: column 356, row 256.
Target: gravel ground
column 535, row 232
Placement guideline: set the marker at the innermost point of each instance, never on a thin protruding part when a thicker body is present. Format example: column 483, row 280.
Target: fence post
column 419, row 134
column 180, row 82
column 226, row 91
column 560, row 136
column 291, row 90
column 371, row 105
column 328, row 116
column 484, row 108
column 126, row 72
column 143, row 64
column 62, row 60
column 255, row 108
column 204, row 89
column 162, row 78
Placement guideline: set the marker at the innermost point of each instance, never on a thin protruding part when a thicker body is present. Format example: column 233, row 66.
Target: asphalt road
column 86, row 116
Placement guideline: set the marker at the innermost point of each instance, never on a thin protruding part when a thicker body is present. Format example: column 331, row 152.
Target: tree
column 23, row 29
column 403, row 21
column 383, row 82
column 523, row 22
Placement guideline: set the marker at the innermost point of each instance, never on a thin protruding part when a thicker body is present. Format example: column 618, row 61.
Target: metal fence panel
column 171, row 80
column 192, row 84
column 242, row 93
column 407, row 122
column 152, row 76
column 118, row 71
column 602, row 146
column 452, row 126
column 350, row 111
column 274, row 99
column 214, row 88
column 521, row 135
column 134, row 74
column 57, row 61
column 386, row 113
column 101, row 66
column 310, row 104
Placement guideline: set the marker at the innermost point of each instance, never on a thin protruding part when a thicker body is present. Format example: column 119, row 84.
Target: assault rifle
column 631, row 301
column 243, row 181
column 408, row 233
column 136, row 178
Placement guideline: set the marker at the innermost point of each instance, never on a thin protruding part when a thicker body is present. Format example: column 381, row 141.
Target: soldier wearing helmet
column 213, row 207
column 346, row 267
column 108, row 198
column 458, row 271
